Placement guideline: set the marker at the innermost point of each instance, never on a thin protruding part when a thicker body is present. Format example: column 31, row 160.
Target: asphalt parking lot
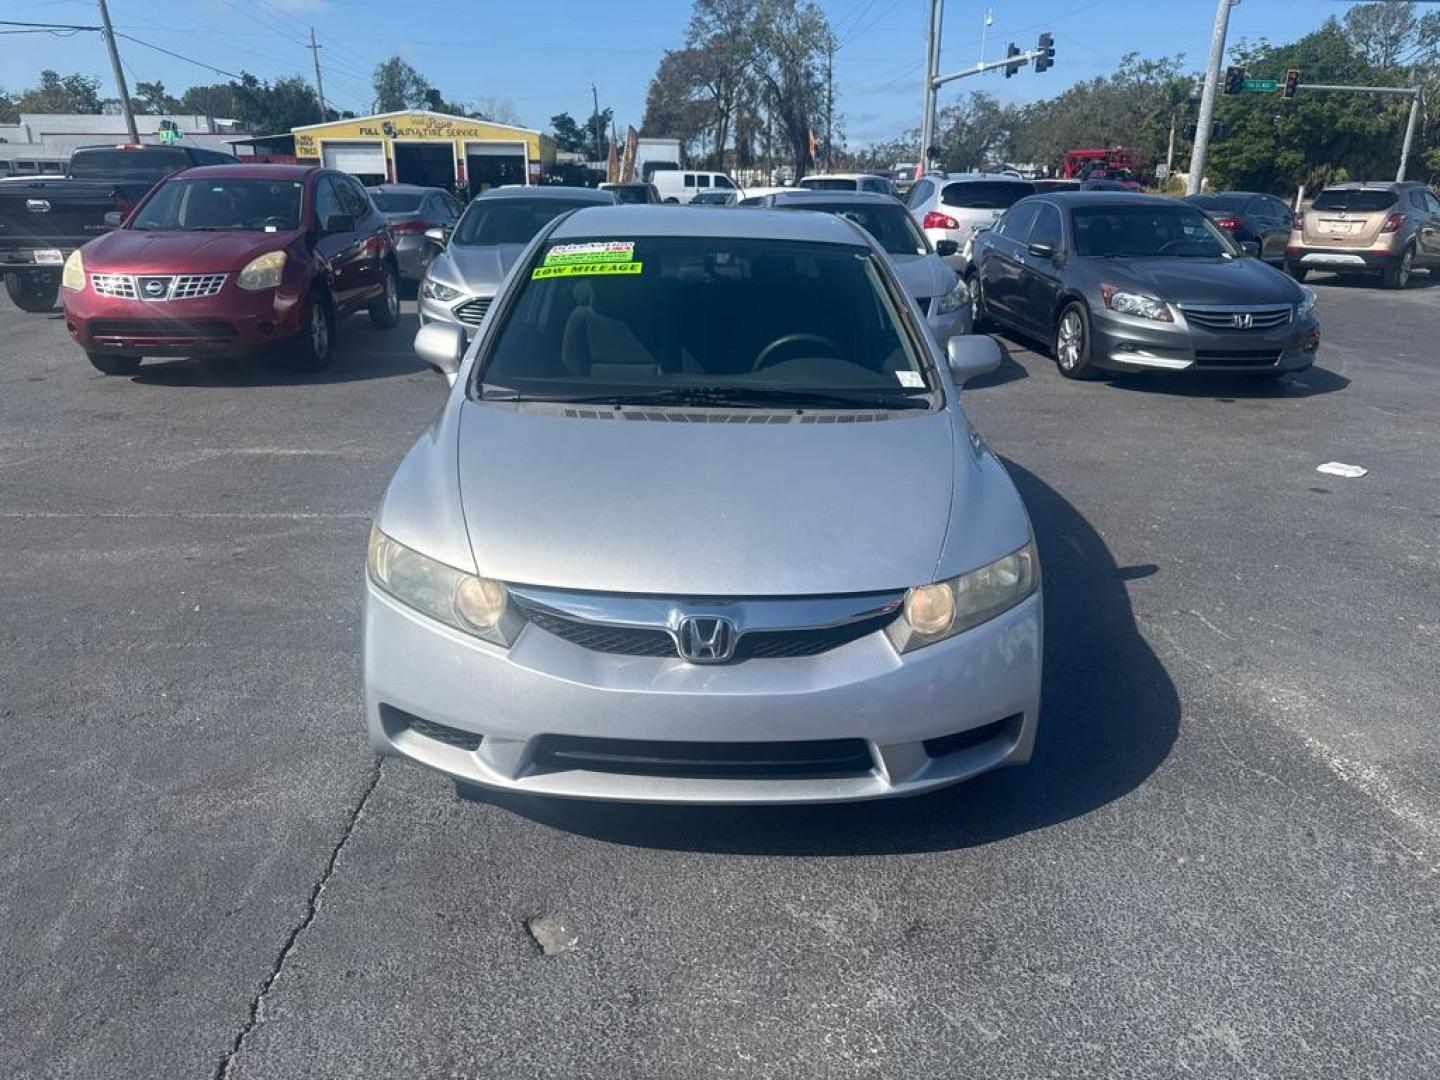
column 1222, row 862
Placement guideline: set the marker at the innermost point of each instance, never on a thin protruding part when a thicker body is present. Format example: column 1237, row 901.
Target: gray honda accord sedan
column 702, row 521
column 1118, row 282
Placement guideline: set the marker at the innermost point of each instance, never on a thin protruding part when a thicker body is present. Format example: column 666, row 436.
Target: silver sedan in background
column 702, row 521
column 938, row 291
column 412, row 212
column 463, row 278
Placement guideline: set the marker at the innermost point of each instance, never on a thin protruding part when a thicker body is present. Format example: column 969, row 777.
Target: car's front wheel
column 312, row 348
column 978, row 316
column 385, row 309
column 1398, row 276
column 1072, row 342
column 29, row 294
column 113, row 363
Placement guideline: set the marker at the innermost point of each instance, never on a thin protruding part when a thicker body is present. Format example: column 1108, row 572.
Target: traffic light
column 1046, row 49
column 1292, row 83
column 1234, row 80
column 1011, row 68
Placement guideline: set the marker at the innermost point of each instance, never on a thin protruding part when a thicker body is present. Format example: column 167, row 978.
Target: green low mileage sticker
column 540, row 273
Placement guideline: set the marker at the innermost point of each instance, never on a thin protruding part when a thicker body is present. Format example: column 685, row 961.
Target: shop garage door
column 427, row 164
column 489, row 165
column 363, row 160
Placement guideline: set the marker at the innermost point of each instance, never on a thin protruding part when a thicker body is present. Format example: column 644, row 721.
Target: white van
column 682, row 185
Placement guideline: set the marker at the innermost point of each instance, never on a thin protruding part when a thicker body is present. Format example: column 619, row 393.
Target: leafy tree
column 151, row 98
column 792, row 37
column 567, row 133
column 1392, row 34
column 61, row 94
column 399, row 86
column 672, row 108
column 9, row 114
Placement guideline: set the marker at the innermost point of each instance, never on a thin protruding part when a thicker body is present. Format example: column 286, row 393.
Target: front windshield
column 510, row 221
column 394, row 202
column 828, row 184
column 892, row 226
column 223, row 204
column 701, row 321
column 1146, row 231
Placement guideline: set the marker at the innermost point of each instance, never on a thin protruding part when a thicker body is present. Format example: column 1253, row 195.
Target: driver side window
column 327, row 204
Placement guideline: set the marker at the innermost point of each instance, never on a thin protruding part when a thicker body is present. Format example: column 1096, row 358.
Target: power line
column 179, row 56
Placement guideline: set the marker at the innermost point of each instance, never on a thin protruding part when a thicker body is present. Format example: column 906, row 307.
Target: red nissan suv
column 228, row 258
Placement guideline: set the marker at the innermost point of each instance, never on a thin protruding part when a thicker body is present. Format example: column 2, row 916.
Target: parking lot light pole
column 1207, row 97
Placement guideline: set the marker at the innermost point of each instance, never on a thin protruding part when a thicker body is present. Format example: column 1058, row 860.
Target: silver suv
column 957, row 205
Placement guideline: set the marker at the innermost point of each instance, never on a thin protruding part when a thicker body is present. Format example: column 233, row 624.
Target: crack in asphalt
column 312, row 908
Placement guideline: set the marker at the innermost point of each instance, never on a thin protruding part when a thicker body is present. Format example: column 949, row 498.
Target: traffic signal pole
column 1207, row 97
column 1413, row 93
column 932, row 69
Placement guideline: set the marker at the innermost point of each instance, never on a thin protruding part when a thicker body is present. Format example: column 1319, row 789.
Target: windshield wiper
column 745, row 396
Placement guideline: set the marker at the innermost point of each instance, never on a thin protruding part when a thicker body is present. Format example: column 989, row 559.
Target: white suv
column 955, row 206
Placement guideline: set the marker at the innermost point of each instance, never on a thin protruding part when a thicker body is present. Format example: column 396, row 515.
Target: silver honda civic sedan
column 702, row 520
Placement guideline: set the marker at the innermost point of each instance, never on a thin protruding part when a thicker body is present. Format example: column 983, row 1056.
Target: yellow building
column 418, row 147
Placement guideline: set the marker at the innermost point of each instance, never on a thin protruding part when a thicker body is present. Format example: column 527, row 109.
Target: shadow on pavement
column 1302, row 384
column 1109, row 718
column 361, row 352
column 1010, row 370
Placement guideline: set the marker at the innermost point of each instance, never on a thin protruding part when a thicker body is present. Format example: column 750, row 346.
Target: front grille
column 1237, row 358
column 1226, row 318
column 121, row 286
column 181, row 287
column 650, row 641
column 705, row 760
column 167, row 329
column 473, row 311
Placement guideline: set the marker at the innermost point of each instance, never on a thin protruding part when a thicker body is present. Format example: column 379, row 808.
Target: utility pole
column 119, row 73
column 1412, row 92
column 830, row 103
column 1170, row 152
column 1409, row 137
column 1207, row 97
column 932, row 72
column 319, row 85
column 595, row 97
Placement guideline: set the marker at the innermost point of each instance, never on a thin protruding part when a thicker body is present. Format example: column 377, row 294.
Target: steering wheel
column 764, row 359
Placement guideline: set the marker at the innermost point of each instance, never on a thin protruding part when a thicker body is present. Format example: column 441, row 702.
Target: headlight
column 73, row 276
column 263, row 272
column 1129, row 303
column 436, row 291
column 935, row 612
column 954, row 300
column 475, row 605
column 1306, row 306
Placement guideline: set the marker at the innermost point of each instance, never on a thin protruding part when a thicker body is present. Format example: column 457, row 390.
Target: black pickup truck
column 44, row 218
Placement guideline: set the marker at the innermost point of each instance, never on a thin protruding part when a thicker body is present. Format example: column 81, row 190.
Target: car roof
column 608, row 186
column 624, row 222
column 252, row 172
column 553, row 191
column 1072, row 199
column 403, row 189
column 1371, row 185
column 790, row 197
column 838, row 176
column 968, row 178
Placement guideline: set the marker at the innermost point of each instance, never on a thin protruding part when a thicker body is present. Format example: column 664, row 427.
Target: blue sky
column 543, row 55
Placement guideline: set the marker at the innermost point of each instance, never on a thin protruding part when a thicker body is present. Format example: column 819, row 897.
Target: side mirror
column 437, row 235
column 946, row 248
column 1250, row 248
column 442, row 346
column 338, row 223
column 1041, row 251
column 113, row 219
column 971, row 355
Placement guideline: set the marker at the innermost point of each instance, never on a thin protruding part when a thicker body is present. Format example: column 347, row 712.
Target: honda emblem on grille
column 1243, row 320
column 705, row 639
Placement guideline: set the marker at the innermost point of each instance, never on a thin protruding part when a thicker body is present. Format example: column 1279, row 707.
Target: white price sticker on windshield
column 910, row 378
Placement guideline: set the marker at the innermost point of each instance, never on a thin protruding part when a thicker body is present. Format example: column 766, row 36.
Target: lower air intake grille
column 162, row 329
column 705, row 760
column 398, row 720
column 473, row 311
column 1256, row 358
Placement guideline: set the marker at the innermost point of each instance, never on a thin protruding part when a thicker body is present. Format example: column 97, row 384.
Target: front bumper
column 955, row 323
column 985, row 681
column 449, row 311
column 232, row 320
column 413, row 254
column 1126, row 343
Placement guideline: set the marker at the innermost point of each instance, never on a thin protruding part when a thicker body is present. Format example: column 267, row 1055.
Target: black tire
column 30, row 295
column 672, row 202
column 1398, row 276
column 385, row 311
column 978, row 318
column 314, row 346
column 1299, row 273
column 113, row 363
column 1071, row 344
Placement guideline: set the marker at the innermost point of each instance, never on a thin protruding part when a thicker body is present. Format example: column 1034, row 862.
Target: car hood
column 707, row 509
column 924, row 275
column 137, row 251
column 1203, row 281
column 479, row 269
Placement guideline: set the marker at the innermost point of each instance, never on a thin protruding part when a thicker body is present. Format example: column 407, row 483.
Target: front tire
column 1072, row 342
column 113, row 363
column 1398, row 276
column 385, row 311
column 978, row 317
column 30, row 295
column 312, row 349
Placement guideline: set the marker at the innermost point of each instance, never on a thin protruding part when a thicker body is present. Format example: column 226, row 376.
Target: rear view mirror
column 946, row 248
column 442, row 346
column 971, row 355
column 113, row 219
column 1042, row 251
column 1251, row 248
column 437, row 235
